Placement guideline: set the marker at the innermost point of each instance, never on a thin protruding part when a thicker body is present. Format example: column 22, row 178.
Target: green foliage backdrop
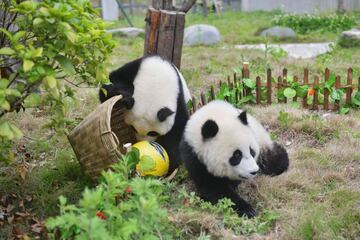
column 47, row 48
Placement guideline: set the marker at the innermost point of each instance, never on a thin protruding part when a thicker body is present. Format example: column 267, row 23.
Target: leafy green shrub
column 121, row 207
column 310, row 23
column 47, row 47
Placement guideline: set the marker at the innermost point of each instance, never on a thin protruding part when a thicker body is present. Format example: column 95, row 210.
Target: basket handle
column 117, row 142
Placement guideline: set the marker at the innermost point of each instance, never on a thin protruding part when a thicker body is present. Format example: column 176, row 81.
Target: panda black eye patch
column 236, row 158
column 252, row 152
column 153, row 134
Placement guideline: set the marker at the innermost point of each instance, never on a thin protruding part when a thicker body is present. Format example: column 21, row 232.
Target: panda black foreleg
column 214, row 193
column 273, row 161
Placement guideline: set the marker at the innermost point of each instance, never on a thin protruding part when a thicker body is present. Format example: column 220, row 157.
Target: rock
column 201, row 34
column 127, row 32
column 350, row 38
column 280, row 32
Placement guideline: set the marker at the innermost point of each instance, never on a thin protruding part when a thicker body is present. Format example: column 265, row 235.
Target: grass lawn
column 318, row 198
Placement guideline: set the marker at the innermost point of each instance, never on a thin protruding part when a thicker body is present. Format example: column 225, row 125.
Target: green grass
column 317, row 199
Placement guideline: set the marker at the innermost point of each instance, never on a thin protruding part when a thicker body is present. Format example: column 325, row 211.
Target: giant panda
column 155, row 96
column 223, row 145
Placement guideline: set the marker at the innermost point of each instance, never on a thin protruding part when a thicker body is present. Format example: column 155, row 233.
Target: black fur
column 164, row 113
column 122, row 83
column 213, row 188
column 243, row 118
column 171, row 140
column 209, row 129
column 128, row 102
column 273, row 161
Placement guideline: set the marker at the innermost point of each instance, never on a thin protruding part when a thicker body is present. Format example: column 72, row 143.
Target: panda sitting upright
column 223, row 145
column 155, row 95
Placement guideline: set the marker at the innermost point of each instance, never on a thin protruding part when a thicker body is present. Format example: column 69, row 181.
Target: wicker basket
column 98, row 140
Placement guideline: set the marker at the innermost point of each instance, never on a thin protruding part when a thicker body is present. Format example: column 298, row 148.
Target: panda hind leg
column 274, row 161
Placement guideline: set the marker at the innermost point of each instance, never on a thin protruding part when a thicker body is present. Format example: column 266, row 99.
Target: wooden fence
column 271, row 88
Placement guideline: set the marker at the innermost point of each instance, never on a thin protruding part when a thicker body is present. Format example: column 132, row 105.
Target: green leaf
column 12, row 92
column 33, row 100
column 302, row 91
column 44, row 11
column 71, row 36
column 6, row 51
column 65, row 64
column 249, row 83
column 5, row 131
column 27, row 65
column 50, row 81
column 37, row 21
column 289, row 93
column 5, row 104
column 344, row 110
column 37, row 52
column 335, row 94
column 17, row 133
column 147, row 163
column 4, row 83
column 18, row 36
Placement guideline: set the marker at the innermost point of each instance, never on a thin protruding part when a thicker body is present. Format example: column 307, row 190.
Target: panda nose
column 254, row 173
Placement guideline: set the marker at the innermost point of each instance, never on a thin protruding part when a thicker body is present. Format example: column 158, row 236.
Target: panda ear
column 164, row 113
column 209, row 129
column 243, row 117
column 128, row 102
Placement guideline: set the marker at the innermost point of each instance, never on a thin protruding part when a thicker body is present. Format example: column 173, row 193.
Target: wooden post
column 268, row 85
column 165, row 44
column 236, row 89
column 284, row 81
column 349, row 86
column 203, row 99
column 193, row 104
column 306, row 82
column 326, row 91
column 315, row 99
column 212, row 92
column 179, row 36
column 245, row 74
column 152, row 20
column 295, row 80
column 279, row 87
column 165, row 30
column 258, row 90
column 337, row 86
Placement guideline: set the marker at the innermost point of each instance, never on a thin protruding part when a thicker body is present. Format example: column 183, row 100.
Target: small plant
column 121, row 207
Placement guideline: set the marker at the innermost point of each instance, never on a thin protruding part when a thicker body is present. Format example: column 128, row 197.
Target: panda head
column 153, row 104
column 150, row 125
column 222, row 139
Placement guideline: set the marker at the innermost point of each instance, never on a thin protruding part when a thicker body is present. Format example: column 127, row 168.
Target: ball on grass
column 154, row 160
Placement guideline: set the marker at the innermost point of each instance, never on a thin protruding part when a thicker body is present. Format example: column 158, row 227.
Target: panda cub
column 223, row 145
column 155, row 95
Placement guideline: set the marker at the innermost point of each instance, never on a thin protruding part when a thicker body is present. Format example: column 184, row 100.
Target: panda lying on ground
column 155, row 94
column 223, row 145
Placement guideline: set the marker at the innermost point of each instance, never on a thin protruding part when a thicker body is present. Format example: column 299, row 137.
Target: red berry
column 128, row 189
column 101, row 215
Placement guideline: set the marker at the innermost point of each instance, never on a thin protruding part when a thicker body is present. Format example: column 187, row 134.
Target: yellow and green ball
column 154, row 160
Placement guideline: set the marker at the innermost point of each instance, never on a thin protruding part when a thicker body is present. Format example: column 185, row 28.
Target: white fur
column 155, row 86
column 232, row 135
column 187, row 95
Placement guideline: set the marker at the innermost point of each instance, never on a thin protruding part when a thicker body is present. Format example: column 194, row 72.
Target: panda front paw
column 246, row 210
